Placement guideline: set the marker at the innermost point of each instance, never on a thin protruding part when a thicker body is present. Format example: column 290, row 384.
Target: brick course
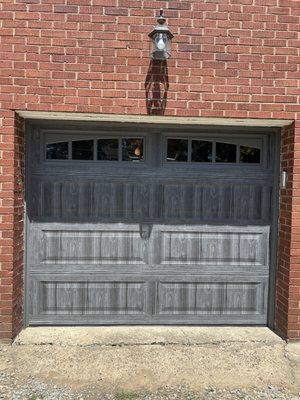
column 230, row 58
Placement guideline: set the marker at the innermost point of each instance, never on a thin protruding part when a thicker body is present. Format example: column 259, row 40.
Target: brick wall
column 230, row 59
column 288, row 273
column 11, row 224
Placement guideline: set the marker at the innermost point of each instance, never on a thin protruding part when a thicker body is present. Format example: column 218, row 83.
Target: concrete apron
column 151, row 357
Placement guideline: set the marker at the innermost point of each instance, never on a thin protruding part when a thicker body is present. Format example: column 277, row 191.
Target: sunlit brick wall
column 230, row 59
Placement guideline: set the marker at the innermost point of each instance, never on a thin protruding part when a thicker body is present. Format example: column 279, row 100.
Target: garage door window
column 225, row 152
column 108, row 149
column 249, row 155
column 83, row 150
column 177, row 150
column 104, row 149
column 202, row 151
column 212, row 151
column 57, row 151
column 132, row 149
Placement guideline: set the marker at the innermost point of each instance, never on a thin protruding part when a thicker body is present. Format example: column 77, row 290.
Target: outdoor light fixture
column 161, row 39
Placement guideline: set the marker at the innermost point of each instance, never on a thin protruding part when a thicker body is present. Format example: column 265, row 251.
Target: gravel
column 250, row 371
column 13, row 388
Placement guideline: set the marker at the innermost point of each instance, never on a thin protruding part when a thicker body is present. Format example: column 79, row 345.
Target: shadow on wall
column 156, row 87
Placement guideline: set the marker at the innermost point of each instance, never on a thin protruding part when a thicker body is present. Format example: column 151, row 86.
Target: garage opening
column 149, row 225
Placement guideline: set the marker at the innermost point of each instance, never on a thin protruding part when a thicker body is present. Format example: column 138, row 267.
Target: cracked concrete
column 135, row 358
column 144, row 335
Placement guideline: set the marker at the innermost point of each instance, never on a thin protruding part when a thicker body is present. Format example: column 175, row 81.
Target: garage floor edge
column 144, row 335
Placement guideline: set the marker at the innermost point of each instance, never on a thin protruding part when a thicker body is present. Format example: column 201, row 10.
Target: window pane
column 201, row 151
column 225, row 152
column 132, row 149
column 83, row 150
column 249, row 154
column 177, row 150
column 108, row 149
column 57, row 151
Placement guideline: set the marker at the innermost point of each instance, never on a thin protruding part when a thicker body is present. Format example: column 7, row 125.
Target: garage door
column 136, row 226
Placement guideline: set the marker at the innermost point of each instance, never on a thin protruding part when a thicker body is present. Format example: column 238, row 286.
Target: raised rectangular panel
column 186, row 247
column 93, row 247
column 192, row 298
column 105, row 298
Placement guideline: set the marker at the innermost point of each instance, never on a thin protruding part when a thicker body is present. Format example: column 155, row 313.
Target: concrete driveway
column 135, row 359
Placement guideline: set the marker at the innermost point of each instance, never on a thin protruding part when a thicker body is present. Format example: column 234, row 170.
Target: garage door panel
column 144, row 200
column 212, row 245
column 70, row 200
column 217, row 201
column 211, row 298
column 114, row 244
column 94, row 247
column 57, row 295
column 153, row 300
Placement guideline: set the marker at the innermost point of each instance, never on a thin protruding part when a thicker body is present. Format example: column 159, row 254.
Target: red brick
column 229, row 59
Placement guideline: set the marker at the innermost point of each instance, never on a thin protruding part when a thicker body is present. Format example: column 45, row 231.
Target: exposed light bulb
column 161, row 44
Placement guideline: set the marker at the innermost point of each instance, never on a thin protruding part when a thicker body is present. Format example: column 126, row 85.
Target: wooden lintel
column 147, row 119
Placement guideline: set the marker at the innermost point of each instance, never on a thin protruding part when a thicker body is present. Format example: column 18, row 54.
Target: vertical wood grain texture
column 147, row 244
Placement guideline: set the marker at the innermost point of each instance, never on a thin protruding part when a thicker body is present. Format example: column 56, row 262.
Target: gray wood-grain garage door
column 131, row 225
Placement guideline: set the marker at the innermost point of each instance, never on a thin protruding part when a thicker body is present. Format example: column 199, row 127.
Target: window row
column 183, row 150
column 132, row 149
column 123, row 149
